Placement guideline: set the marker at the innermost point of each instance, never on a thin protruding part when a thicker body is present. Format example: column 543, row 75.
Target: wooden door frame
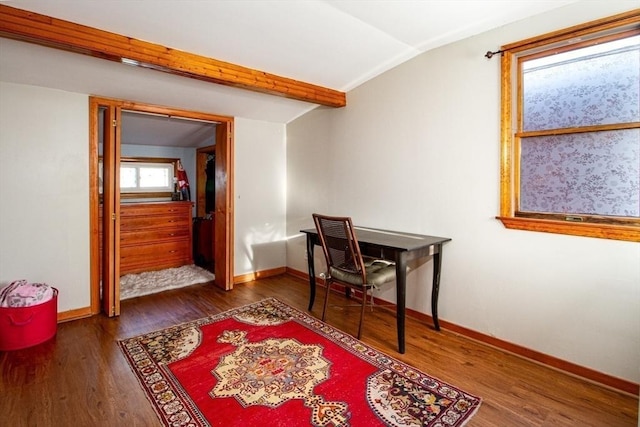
column 224, row 188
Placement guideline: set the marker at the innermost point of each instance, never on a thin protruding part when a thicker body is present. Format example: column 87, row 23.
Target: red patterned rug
column 269, row 364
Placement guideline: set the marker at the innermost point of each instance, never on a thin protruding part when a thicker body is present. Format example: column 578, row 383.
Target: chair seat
column 378, row 273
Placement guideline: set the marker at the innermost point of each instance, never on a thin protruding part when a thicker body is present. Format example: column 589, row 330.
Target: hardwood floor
column 80, row 378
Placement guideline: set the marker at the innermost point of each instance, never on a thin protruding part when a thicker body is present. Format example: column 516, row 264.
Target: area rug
column 269, row 364
column 151, row 282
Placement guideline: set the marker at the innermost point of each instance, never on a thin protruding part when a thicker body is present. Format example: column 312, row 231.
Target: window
column 145, row 177
column 571, row 131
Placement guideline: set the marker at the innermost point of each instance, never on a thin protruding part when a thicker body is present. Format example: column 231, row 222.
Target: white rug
column 150, row 282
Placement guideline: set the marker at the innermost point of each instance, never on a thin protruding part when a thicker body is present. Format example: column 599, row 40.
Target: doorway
column 107, row 200
column 204, row 237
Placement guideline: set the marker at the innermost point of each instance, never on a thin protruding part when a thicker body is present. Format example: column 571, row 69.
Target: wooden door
column 223, row 244
column 221, row 234
column 111, row 212
column 104, row 206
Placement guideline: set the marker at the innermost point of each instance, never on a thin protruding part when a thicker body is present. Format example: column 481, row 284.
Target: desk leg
column 437, row 262
column 312, row 271
column 401, row 295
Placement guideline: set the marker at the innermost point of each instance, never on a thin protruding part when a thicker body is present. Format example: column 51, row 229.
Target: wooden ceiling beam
column 44, row 30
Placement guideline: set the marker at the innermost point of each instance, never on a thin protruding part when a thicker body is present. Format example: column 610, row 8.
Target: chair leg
column 327, row 285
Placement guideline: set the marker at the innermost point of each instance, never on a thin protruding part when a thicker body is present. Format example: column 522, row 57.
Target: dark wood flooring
column 80, row 378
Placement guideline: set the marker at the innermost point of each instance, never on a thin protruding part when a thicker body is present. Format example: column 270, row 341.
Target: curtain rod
column 490, row 54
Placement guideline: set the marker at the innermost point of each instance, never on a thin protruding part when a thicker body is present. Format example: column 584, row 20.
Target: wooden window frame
column 627, row 229
column 148, row 194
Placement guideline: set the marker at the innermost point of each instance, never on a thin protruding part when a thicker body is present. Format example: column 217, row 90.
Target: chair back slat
column 340, row 244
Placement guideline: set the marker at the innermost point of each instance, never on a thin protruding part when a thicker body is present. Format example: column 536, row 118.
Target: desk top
column 391, row 239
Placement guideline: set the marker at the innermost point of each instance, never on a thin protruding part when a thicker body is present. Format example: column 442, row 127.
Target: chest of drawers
column 154, row 236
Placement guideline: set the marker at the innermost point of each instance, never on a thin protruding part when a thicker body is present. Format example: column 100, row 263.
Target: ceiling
column 338, row 44
column 157, row 130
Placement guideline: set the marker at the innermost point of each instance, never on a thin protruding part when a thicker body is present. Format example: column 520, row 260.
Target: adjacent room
column 164, row 244
column 329, row 213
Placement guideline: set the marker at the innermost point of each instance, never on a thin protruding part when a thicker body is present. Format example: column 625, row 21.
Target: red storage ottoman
column 22, row 327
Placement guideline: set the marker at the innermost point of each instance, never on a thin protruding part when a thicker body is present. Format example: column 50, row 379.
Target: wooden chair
column 345, row 264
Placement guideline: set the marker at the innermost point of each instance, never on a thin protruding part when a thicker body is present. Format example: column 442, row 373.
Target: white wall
column 260, row 196
column 310, row 161
column 44, row 190
column 417, row 150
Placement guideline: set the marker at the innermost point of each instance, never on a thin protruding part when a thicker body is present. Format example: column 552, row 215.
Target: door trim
column 224, row 188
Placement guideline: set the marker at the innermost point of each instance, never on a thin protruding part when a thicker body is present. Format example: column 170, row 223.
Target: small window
column 571, row 131
column 146, row 177
column 142, row 177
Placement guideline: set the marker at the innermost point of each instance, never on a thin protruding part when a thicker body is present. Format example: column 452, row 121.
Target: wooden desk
column 398, row 247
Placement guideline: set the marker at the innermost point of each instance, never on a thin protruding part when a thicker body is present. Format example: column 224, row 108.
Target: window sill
column 601, row 231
